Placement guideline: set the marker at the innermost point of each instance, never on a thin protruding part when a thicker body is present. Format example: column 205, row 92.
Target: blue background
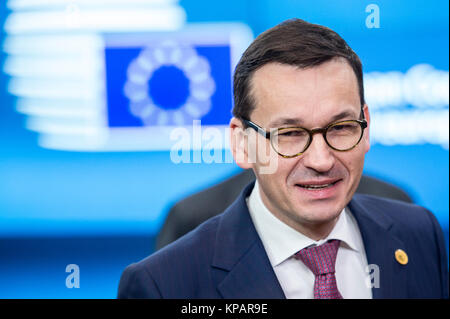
column 102, row 211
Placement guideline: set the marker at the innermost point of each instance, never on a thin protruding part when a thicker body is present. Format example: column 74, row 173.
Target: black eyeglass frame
column 322, row 130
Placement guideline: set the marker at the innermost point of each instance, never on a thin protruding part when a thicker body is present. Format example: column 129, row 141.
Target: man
column 301, row 124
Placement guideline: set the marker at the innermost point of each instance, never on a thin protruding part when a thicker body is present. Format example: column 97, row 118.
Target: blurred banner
column 96, row 77
column 118, row 75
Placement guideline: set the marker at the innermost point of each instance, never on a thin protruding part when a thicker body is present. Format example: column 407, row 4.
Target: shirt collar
column 282, row 241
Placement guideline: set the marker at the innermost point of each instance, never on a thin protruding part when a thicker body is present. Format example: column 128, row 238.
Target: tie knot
column 320, row 259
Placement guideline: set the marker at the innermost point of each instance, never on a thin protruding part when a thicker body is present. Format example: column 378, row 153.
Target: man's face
column 311, row 98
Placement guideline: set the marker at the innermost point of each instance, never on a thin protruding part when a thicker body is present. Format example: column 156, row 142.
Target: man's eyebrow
column 286, row 121
column 344, row 114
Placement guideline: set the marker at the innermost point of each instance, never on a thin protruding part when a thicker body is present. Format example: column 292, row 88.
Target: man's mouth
column 316, row 186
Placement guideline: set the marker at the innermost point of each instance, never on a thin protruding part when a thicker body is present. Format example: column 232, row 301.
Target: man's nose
column 319, row 156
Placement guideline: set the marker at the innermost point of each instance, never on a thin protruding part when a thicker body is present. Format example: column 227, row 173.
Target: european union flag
column 168, row 81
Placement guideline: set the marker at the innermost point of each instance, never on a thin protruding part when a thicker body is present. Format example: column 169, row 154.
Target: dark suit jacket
column 224, row 257
column 190, row 212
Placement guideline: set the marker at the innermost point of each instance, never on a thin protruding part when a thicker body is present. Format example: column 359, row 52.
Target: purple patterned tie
column 320, row 260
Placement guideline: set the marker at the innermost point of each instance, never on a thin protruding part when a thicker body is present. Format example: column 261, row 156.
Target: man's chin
column 320, row 213
column 316, row 224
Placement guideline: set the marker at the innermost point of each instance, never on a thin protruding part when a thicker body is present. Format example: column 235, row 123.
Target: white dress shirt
column 281, row 242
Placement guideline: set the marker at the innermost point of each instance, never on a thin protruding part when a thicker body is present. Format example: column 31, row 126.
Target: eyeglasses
column 293, row 141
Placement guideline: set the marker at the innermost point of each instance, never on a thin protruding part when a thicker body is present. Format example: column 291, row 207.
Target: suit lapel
column 380, row 245
column 240, row 254
column 251, row 278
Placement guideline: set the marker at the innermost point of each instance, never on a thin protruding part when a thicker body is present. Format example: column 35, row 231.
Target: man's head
column 301, row 75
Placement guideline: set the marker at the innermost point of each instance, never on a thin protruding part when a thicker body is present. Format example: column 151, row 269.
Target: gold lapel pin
column 401, row 257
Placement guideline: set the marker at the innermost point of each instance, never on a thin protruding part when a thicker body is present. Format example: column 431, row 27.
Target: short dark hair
column 293, row 42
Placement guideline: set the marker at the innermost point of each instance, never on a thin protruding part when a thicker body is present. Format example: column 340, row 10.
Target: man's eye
column 343, row 128
column 340, row 127
column 293, row 133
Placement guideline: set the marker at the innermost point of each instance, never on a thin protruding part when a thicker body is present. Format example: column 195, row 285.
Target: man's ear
column 239, row 143
column 366, row 137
